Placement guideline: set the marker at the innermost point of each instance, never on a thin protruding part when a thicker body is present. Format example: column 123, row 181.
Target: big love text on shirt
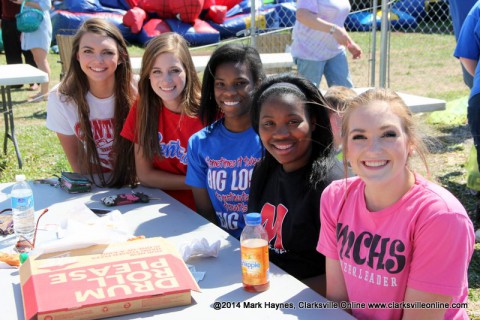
column 230, row 180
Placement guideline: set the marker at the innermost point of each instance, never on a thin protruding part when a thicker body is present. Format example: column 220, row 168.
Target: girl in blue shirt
column 221, row 157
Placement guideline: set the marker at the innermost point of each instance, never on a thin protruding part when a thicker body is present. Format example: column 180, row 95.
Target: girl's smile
column 377, row 146
column 98, row 57
column 286, row 131
column 233, row 86
column 168, row 79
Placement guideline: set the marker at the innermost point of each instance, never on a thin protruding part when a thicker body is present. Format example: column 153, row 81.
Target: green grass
column 41, row 152
column 419, row 64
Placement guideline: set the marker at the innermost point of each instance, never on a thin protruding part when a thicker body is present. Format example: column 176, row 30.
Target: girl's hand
column 355, row 50
column 17, row 1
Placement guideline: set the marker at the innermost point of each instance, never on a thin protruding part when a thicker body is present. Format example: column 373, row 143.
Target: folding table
column 221, row 296
column 10, row 75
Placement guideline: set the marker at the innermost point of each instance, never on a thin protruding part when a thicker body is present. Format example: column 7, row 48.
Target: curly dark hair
column 321, row 159
column 228, row 53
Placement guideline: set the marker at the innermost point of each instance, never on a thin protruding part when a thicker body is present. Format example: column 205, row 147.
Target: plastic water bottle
column 22, row 208
column 254, row 250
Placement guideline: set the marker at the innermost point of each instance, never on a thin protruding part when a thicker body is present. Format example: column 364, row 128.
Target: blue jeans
column 335, row 70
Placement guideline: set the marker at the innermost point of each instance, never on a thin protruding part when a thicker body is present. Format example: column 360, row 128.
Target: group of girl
column 241, row 142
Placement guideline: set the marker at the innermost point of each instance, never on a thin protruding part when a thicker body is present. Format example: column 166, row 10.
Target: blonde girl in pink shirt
column 389, row 235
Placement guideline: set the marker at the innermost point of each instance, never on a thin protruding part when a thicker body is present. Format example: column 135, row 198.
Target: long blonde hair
column 149, row 103
column 75, row 87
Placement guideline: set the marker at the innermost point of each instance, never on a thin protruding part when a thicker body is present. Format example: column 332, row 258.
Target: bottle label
column 255, row 264
column 24, row 202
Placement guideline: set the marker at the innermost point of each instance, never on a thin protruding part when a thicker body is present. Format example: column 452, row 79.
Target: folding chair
column 65, row 47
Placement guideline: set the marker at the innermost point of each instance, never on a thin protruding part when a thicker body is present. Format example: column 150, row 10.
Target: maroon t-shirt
column 8, row 10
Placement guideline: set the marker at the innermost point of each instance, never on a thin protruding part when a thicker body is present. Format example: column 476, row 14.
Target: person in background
column 38, row 42
column 459, row 10
column 468, row 52
column 290, row 115
column 337, row 98
column 11, row 38
column 88, row 108
column 221, row 157
column 165, row 116
column 389, row 235
column 320, row 41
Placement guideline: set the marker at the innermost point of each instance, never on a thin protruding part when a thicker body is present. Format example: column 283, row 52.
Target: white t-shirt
column 310, row 44
column 62, row 117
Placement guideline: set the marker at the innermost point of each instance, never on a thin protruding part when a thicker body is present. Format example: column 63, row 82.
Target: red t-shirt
column 174, row 130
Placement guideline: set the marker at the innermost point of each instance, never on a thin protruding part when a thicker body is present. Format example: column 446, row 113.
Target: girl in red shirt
column 165, row 116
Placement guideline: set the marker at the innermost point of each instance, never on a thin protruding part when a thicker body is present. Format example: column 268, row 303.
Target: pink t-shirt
column 424, row 241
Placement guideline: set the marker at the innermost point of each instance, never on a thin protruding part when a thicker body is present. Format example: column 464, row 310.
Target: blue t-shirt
column 459, row 10
column 468, row 45
column 222, row 162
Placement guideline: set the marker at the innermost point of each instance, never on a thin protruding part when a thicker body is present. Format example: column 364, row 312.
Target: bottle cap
column 253, row 218
column 20, row 177
column 23, row 257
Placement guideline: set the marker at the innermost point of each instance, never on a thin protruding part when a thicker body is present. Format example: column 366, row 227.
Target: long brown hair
column 149, row 103
column 75, row 87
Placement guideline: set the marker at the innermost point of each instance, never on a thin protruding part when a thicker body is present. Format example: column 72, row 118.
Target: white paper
column 72, row 225
column 199, row 247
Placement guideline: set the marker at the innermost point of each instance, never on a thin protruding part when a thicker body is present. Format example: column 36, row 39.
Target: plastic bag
column 473, row 175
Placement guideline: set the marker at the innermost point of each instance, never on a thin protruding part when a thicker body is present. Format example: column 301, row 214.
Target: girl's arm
column 155, row 178
column 70, row 147
column 413, row 295
column 469, row 65
column 311, row 20
column 204, row 204
column 336, row 289
column 443, row 246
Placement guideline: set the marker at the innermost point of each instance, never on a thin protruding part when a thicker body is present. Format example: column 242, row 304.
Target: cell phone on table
column 100, row 210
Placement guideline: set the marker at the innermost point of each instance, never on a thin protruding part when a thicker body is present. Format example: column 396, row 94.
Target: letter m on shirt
column 273, row 218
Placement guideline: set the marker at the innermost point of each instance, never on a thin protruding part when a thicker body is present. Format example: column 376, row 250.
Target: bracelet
column 332, row 29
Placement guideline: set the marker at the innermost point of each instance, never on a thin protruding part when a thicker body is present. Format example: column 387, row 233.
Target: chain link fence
column 420, row 43
column 419, row 16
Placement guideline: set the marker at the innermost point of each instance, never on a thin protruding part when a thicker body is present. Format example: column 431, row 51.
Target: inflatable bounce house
column 201, row 22
column 402, row 16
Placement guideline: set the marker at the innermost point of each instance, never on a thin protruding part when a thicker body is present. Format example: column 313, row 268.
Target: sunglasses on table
column 23, row 244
